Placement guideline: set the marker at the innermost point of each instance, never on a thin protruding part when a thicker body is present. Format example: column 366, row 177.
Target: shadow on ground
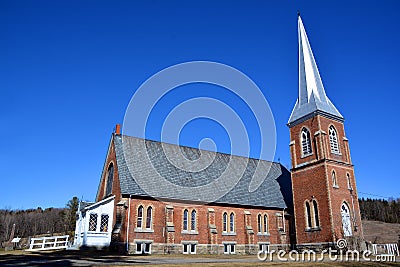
column 68, row 258
column 105, row 258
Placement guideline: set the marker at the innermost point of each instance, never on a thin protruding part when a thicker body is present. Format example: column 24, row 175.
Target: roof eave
column 294, row 122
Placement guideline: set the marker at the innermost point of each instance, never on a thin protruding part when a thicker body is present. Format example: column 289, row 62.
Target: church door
column 346, row 220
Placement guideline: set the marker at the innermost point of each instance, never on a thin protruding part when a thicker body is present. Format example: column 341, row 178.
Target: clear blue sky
column 69, row 68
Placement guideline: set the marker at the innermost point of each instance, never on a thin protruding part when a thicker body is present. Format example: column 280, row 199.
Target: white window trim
column 334, row 140
column 143, row 246
column 97, row 222
column 263, row 234
column 263, row 244
column 189, row 245
column 259, row 224
column 334, row 180
column 195, row 248
column 232, row 224
column 187, row 220
column 151, row 219
column 225, row 223
column 187, row 248
column 190, row 232
column 313, row 216
column 229, row 246
column 228, row 233
column 266, row 231
column 305, row 154
column 144, row 230
column 348, row 182
column 261, row 231
column 141, row 217
column 107, row 224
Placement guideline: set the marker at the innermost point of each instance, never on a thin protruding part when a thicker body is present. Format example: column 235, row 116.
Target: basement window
column 189, row 248
column 229, row 248
column 264, row 247
column 143, row 247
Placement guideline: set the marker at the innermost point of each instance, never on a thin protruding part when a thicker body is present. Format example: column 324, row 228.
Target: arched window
column 232, row 223
column 334, row 180
column 349, row 182
column 346, row 221
column 185, row 220
column 149, row 218
column 305, row 142
column 259, row 223
column 225, row 222
column 308, row 215
column 139, row 217
column 333, row 140
column 110, row 177
column 265, row 223
column 316, row 217
column 193, row 221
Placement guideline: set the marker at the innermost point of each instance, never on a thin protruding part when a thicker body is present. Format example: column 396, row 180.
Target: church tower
column 324, row 187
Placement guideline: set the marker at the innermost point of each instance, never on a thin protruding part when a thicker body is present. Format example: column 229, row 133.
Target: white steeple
column 312, row 98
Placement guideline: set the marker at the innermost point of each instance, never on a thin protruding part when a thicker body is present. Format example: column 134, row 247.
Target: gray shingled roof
column 84, row 204
column 273, row 192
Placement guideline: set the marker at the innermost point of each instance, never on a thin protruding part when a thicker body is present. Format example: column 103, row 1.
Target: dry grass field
column 380, row 232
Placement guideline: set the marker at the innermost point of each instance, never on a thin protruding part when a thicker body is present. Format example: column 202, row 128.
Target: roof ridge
column 199, row 149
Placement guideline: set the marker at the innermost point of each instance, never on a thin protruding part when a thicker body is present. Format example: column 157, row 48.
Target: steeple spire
column 312, row 97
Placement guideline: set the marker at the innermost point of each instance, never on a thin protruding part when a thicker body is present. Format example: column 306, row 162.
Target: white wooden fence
column 48, row 242
column 385, row 249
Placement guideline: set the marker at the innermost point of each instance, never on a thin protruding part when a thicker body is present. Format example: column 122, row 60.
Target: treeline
column 380, row 210
column 32, row 222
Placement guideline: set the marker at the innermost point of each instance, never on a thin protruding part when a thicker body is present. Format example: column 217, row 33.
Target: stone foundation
column 217, row 249
column 353, row 243
column 317, row 247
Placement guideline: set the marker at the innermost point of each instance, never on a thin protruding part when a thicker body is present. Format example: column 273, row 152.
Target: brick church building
column 313, row 204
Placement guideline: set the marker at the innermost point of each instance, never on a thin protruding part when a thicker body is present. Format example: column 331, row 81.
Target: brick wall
column 116, row 190
column 312, row 180
column 209, row 227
